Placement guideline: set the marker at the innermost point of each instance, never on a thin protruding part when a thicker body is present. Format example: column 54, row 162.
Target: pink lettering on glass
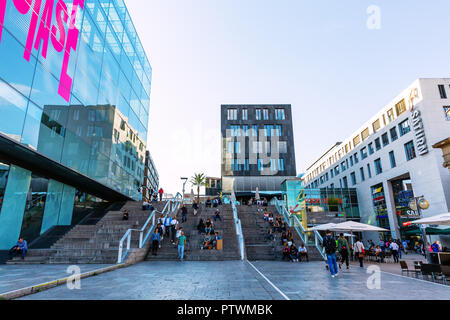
column 65, row 81
column 61, row 8
column 44, row 28
column 2, row 16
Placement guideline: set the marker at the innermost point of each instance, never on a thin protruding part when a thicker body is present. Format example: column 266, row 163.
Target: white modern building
column 390, row 159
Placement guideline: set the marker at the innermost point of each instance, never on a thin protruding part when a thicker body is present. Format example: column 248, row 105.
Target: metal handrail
column 239, row 234
column 293, row 221
column 170, row 207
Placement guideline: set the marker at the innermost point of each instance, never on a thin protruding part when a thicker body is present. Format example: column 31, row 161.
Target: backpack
column 329, row 245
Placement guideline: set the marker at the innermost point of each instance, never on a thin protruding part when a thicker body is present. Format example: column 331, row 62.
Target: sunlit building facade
column 390, row 161
column 75, row 87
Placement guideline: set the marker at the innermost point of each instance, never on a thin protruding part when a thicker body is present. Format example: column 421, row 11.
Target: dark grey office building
column 257, row 148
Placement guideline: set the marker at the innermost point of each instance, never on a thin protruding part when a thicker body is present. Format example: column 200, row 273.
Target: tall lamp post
column 418, row 204
column 184, row 185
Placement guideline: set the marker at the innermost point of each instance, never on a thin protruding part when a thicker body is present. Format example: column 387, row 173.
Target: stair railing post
column 141, row 238
column 119, row 258
column 129, row 241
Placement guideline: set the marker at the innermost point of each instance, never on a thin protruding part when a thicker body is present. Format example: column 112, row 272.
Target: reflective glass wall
column 76, row 86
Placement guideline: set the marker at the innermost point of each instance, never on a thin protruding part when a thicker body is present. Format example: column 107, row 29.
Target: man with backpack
column 329, row 245
column 344, row 250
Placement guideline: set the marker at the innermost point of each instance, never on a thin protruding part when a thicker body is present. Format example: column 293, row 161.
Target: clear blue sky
column 317, row 55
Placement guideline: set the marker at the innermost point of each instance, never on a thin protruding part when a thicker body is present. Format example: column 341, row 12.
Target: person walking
column 173, row 229
column 181, row 244
column 195, row 207
column 167, row 225
column 329, row 245
column 184, row 213
column 161, row 193
column 394, row 247
column 156, row 238
column 358, row 248
column 344, row 250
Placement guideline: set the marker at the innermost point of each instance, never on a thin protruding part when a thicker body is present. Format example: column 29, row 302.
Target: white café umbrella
column 440, row 219
column 257, row 194
column 323, row 227
column 351, row 226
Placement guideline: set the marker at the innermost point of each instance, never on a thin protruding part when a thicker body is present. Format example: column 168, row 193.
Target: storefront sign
column 417, row 123
column 419, row 133
column 46, row 31
column 321, row 201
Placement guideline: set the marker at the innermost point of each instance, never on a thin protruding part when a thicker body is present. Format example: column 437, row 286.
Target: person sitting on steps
column 21, row 248
column 201, row 226
column 303, row 252
column 293, row 253
column 217, row 216
column 125, row 215
column 207, row 242
column 286, row 253
column 270, row 235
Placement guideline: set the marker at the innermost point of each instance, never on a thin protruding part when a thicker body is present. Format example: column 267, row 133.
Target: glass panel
column 34, row 209
column 4, row 171
column 12, row 110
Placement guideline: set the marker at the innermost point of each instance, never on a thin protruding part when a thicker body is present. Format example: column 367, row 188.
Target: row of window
column 235, row 147
column 260, row 114
column 403, row 128
column 244, row 165
column 410, row 154
column 269, row 131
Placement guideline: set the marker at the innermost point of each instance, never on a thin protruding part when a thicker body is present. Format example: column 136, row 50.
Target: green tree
column 198, row 180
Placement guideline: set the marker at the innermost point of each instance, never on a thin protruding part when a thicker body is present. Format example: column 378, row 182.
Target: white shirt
column 358, row 247
column 178, row 233
column 174, row 222
column 300, row 249
column 394, row 246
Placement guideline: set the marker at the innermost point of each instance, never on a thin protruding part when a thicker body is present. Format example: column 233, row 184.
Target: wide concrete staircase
column 96, row 242
column 257, row 245
column 193, row 251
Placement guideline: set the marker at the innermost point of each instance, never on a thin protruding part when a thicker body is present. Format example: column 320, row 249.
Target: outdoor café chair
column 405, row 268
column 434, row 270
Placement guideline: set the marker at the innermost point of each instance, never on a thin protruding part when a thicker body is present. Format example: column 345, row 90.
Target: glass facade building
column 75, row 87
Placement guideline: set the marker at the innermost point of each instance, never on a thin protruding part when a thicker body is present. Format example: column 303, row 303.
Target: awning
column 440, row 219
column 429, row 231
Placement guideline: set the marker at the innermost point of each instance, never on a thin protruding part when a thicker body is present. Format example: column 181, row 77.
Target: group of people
column 277, row 225
column 211, row 236
column 213, row 203
column 169, row 227
column 332, row 246
column 259, row 202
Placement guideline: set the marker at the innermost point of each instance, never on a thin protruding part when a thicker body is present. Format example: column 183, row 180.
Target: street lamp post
column 184, row 185
column 418, row 204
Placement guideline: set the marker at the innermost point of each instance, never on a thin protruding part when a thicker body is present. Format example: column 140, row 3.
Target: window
column 343, row 166
column 273, row 166
column 376, row 126
column 363, row 153
column 361, row 172
column 353, row 178
column 394, row 135
column 230, row 147
column 255, row 131
column 258, row 114
column 378, row 167
column 244, row 114
column 400, row 107
column 279, row 114
column 404, row 127
column 260, row 165
column 410, row 151
column 356, row 141
column 232, row 114
column 385, row 139
column 442, row 91
column 336, row 170
column 370, row 146
column 356, row 158
column 247, row 165
column 245, row 131
column 351, row 161
column 281, row 165
column 268, row 130
column 278, row 130
column 390, row 115
column 344, row 180
column 392, row 159
column 365, row 134
column 377, row 144
column 282, row 145
column 369, row 172
column 447, row 113
column 266, row 114
column 238, row 147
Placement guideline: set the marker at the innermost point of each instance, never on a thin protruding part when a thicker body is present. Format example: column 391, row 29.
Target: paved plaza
column 239, row 280
column 14, row 277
